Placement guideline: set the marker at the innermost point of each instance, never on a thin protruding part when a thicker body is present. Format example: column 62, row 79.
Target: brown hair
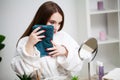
column 43, row 14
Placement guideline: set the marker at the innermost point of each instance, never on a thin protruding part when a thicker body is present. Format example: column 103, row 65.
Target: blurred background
column 82, row 20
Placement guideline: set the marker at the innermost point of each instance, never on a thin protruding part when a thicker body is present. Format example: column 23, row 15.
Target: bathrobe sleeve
column 22, row 61
column 72, row 62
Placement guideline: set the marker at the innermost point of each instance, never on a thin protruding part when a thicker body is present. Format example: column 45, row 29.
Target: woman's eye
column 52, row 22
column 60, row 23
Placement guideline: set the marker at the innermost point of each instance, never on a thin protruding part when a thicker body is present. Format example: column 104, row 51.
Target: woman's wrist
column 66, row 51
column 29, row 49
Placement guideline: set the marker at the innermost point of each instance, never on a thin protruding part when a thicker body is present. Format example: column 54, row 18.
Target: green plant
column 75, row 78
column 24, row 77
column 2, row 38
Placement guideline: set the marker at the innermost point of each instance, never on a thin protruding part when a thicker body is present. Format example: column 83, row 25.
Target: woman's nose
column 56, row 26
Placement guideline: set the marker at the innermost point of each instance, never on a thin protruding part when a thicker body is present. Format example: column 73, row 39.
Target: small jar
column 102, row 35
column 100, row 5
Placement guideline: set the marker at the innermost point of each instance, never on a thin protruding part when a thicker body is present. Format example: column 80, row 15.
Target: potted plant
column 2, row 45
column 75, row 78
column 24, row 77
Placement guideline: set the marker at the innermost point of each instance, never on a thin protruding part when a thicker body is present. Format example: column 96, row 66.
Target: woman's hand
column 57, row 50
column 34, row 38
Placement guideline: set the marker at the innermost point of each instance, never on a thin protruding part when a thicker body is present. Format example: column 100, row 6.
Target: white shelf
column 109, row 40
column 93, row 12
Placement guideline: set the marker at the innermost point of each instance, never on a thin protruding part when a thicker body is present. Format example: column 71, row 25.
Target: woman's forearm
column 29, row 49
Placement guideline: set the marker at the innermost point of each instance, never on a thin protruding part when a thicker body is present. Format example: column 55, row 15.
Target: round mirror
column 88, row 49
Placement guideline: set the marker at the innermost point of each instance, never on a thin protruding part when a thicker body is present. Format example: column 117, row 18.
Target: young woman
column 62, row 62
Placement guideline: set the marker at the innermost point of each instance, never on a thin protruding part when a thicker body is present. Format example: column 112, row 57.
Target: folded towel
column 113, row 75
column 46, row 42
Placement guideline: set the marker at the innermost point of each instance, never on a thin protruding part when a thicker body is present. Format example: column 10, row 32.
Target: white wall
column 15, row 16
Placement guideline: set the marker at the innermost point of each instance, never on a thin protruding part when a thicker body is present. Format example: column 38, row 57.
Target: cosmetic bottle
column 101, row 71
column 100, row 5
column 102, row 35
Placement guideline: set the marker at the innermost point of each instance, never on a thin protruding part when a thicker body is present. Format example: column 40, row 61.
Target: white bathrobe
column 49, row 67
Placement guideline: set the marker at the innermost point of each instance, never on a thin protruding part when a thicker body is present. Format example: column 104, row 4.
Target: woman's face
column 55, row 20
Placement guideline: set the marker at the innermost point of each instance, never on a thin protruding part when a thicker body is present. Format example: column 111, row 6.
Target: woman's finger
column 51, row 49
column 53, row 52
column 40, row 32
column 42, row 36
column 36, row 29
column 53, row 43
column 54, row 55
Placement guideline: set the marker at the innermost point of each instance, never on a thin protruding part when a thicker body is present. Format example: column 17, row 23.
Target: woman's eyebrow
column 52, row 20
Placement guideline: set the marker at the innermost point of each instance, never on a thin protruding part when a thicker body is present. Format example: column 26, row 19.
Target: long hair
column 43, row 14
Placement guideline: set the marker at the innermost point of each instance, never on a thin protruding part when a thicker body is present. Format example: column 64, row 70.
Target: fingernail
column 40, row 26
column 50, row 40
column 44, row 30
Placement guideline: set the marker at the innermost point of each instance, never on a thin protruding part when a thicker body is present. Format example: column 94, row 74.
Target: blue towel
column 46, row 42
